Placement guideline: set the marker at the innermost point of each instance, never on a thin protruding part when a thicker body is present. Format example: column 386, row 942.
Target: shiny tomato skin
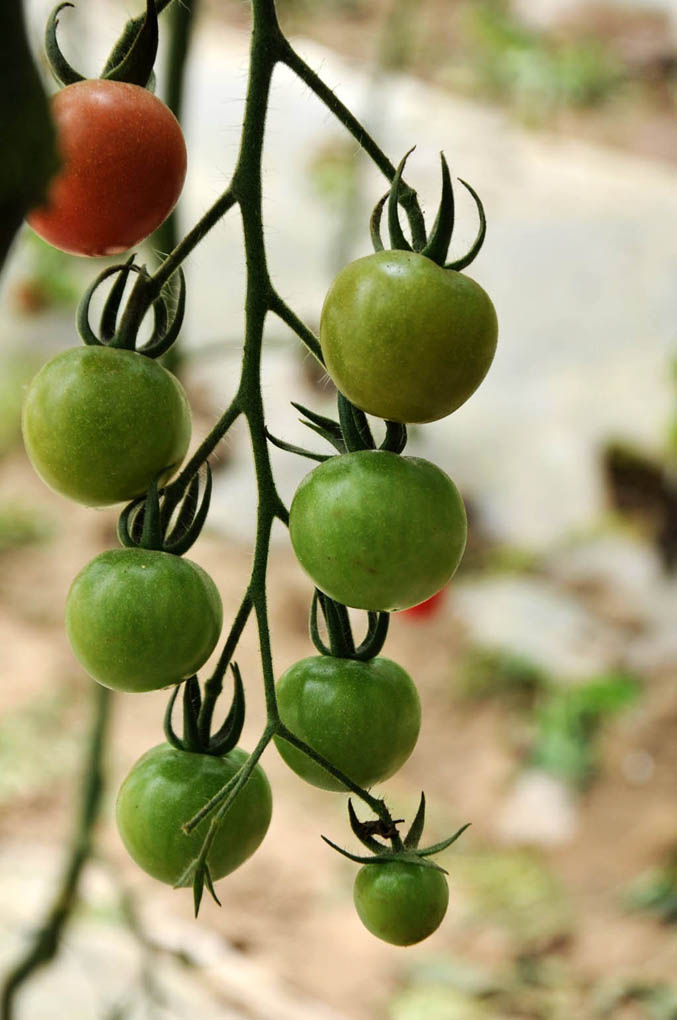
column 363, row 717
column 405, row 339
column 165, row 788
column 400, row 902
column 100, row 424
column 140, row 619
column 124, row 164
column 378, row 531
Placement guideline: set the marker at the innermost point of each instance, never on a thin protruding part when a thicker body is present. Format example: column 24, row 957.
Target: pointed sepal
column 228, row 734
column 323, row 426
column 171, row 736
column 299, row 451
column 375, row 223
column 395, row 438
column 374, row 641
column 413, row 837
column 111, row 306
column 59, row 66
column 397, row 238
column 135, row 63
column 437, row 848
column 440, row 237
column 474, row 250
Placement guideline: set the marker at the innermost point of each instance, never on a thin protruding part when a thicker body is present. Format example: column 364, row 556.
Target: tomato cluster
column 405, row 339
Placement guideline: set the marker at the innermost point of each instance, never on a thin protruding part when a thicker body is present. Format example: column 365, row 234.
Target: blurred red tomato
column 426, row 610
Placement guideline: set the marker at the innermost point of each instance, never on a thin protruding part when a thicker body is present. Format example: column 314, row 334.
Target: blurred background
column 546, row 669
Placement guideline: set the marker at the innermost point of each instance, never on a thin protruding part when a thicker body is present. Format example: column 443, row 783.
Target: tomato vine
column 160, row 524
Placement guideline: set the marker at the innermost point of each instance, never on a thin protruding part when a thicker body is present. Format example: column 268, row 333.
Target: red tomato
column 124, row 164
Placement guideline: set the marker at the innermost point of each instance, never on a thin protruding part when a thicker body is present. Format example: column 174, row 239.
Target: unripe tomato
column 167, row 787
column 363, row 717
column 405, row 339
column 400, row 902
column 378, row 531
column 124, row 164
column 100, row 424
column 140, row 619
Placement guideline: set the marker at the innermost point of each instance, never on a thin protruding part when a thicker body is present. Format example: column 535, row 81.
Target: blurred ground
column 547, row 676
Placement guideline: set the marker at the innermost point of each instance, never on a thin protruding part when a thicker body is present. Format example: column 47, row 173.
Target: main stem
column 268, row 46
column 246, row 186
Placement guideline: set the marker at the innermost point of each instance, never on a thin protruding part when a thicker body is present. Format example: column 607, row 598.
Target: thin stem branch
column 214, row 685
column 217, row 211
column 206, row 447
column 225, row 797
column 377, row 806
column 408, row 198
column 288, row 316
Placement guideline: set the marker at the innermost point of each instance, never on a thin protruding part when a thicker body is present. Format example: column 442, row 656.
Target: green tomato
column 400, row 902
column 167, row 787
column 140, row 619
column 378, row 531
column 405, row 339
column 100, row 424
column 363, row 717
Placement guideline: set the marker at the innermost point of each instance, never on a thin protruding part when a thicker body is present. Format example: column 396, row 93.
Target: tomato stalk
column 268, row 47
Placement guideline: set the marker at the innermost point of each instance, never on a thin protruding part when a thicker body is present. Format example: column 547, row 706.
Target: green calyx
column 131, row 59
column 168, row 519
column 406, row 850
column 120, row 328
column 197, row 719
column 341, row 642
column 347, row 435
column 436, row 246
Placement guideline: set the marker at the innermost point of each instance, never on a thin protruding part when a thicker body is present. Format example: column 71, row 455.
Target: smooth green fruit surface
column 363, row 717
column 165, row 788
column 405, row 339
column 399, row 902
column 378, row 531
column 140, row 619
column 100, row 424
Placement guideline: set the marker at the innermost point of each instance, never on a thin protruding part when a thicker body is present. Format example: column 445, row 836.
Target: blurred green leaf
column 568, row 723
column 489, row 672
column 656, row 891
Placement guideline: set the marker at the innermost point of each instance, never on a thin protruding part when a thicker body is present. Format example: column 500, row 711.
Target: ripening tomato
column 400, row 902
column 124, row 164
column 378, row 531
column 405, row 339
column 363, row 717
column 100, row 424
column 167, row 787
column 141, row 619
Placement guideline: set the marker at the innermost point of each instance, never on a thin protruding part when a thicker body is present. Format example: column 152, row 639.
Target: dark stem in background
column 181, row 20
column 46, row 941
column 29, row 160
